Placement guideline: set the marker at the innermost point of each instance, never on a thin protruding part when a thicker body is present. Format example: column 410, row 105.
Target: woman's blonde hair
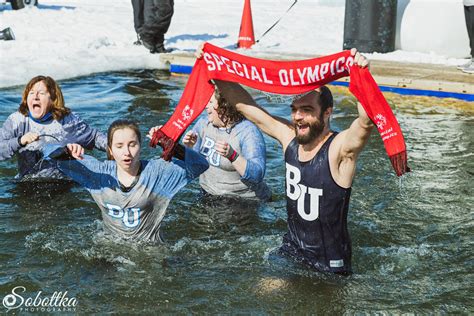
column 58, row 108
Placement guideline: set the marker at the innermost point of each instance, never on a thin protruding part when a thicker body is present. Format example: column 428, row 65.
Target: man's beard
column 315, row 129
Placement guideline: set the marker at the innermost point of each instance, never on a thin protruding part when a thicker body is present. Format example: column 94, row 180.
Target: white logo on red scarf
column 187, row 113
column 380, row 121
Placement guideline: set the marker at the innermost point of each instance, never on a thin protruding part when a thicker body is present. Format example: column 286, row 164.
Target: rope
column 49, row 135
column 40, row 162
column 277, row 21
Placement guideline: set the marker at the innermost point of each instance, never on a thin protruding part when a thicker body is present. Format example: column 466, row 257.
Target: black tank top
column 317, row 212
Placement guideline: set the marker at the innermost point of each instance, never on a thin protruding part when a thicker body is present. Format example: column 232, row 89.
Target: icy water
column 412, row 238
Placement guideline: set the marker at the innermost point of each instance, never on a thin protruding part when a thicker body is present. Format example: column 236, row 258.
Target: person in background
column 152, row 19
column 132, row 194
column 235, row 150
column 43, row 118
column 320, row 166
column 469, row 15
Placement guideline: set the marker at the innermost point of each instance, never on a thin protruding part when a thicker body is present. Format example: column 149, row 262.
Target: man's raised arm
column 274, row 126
column 356, row 136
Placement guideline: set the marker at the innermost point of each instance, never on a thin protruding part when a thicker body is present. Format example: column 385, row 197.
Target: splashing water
column 411, row 237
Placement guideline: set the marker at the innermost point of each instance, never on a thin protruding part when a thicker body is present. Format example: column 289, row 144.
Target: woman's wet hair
column 58, row 107
column 227, row 112
column 120, row 124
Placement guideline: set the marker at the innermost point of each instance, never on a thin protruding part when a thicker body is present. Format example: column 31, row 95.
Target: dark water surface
column 413, row 249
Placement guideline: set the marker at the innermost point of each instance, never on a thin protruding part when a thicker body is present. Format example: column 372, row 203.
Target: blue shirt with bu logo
column 136, row 214
column 221, row 178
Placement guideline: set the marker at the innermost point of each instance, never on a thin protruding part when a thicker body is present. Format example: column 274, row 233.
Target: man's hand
column 359, row 59
column 28, row 138
column 190, row 139
column 76, row 151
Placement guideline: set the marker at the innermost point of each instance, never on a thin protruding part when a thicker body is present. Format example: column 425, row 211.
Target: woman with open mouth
column 132, row 194
column 43, row 118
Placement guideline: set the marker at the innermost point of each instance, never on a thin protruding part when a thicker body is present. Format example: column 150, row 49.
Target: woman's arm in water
column 249, row 161
column 83, row 169
column 12, row 138
column 194, row 164
column 9, row 142
column 81, row 133
column 253, row 149
column 168, row 177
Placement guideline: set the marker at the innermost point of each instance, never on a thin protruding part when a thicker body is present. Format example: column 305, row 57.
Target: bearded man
column 320, row 167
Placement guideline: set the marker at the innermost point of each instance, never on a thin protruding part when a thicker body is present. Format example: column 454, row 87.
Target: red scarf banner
column 282, row 77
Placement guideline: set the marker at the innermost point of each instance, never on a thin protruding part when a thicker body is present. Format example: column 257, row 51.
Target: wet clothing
column 317, row 212
column 221, row 178
column 136, row 213
column 152, row 19
column 70, row 129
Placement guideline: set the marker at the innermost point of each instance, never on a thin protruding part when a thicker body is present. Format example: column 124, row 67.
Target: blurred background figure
column 152, row 19
column 469, row 14
column 7, row 34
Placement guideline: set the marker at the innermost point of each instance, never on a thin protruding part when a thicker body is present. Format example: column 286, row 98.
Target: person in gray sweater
column 235, row 150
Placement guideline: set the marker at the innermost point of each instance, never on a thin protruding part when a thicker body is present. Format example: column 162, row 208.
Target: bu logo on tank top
column 298, row 192
column 208, row 150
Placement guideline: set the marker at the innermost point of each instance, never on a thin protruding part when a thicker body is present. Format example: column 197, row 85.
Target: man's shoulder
column 337, row 138
column 291, row 148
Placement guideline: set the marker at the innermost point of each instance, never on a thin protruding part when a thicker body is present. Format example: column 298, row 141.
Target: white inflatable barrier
column 432, row 26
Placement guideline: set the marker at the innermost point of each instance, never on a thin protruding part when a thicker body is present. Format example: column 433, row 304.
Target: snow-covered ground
column 69, row 38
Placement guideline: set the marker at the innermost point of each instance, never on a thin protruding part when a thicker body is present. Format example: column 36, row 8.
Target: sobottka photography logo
column 57, row 302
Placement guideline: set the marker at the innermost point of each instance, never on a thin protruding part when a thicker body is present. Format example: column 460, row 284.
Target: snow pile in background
column 69, row 38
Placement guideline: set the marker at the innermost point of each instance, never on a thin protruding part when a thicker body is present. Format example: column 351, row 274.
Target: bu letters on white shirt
column 208, row 150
